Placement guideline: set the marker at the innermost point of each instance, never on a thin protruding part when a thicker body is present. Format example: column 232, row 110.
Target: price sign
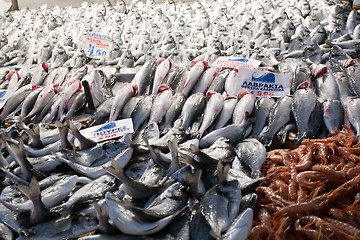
column 97, row 45
column 234, row 62
column 109, row 130
column 263, row 84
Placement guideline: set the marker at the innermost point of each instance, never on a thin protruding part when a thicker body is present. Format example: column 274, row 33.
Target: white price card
column 97, row 45
column 109, row 130
column 263, row 83
column 234, row 62
column 4, row 95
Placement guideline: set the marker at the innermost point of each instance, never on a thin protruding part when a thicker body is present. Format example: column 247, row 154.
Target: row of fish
column 190, row 169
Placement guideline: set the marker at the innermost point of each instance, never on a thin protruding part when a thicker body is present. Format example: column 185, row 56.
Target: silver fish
column 251, row 153
column 278, row 117
column 302, row 109
column 261, row 111
column 213, row 107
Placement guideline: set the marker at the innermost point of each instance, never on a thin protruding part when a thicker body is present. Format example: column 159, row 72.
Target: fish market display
column 191, row 167
column 314, row 193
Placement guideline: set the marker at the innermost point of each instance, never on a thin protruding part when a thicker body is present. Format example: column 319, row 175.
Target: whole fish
column 218, row 83
column 29, row 102
column 175, row 110
column 251, row 153
column 160, row 74
column 352, row 108
column 15, row 100
column 142, row 111
column 262, row 109
column 244, row 107
column 192, row 109
column 226, row 112
column 302, row 108
column 161, row 104
column 206, row 79
column 123, row 219
column 130, row 106
column 122, row 96
column 143, row 77
column 333, row 114
column 44, row 97
column 279, row 115
column 40, row 74
column 213, row 107
column 193, row 76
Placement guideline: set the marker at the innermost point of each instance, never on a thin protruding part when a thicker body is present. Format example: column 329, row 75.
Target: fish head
column 56, row 88
column 45, row 66
column 34, row 87
column 162, row 88
column 209, row 94
column 304, row 85
column 11, row 74
column 135, row 89
column 242, row 93
column 318, row 70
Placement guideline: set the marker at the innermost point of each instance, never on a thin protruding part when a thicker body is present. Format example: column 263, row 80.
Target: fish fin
column 102, row 213
column 175, row 164
column 39, row 212
column 222, row 171
column 63, row 132
column 114, row 169
column 32, row 190
column 194, row 148
column 191, row 178
column 85, row 143
column 88, row 95
column 18, row 152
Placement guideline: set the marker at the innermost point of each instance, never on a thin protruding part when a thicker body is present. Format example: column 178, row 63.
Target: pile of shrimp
column 311, row 192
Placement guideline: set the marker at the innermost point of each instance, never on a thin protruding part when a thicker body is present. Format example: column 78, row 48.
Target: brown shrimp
column 265, row 217
column 344, row 189
column 352, row 172
column 284, row 227
column 298, row 208
column 329, row 171
column 311, row 179
column 301, row 195
column 272, row 196
column 305, row 162
column 293, row 189
column 325, row 229
column 278, row 156
column 283, row 189
column 345, row 227
column 261, row 232
column 322, row 152
column 317, row 192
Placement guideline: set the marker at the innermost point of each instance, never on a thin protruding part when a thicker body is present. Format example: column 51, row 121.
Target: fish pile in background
column 191, row 167
column 314, row 193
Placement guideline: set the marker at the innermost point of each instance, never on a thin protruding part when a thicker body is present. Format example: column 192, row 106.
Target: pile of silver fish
column 190, row 168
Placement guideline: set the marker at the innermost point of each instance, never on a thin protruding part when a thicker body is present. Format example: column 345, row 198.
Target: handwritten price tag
column 97, row 45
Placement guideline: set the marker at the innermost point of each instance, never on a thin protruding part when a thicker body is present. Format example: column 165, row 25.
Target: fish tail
column 63, row 132
column 18, row 152
column 175, row 164
column 32, row 190
column 222, row 171
column 85, row 143
column 115, row 169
